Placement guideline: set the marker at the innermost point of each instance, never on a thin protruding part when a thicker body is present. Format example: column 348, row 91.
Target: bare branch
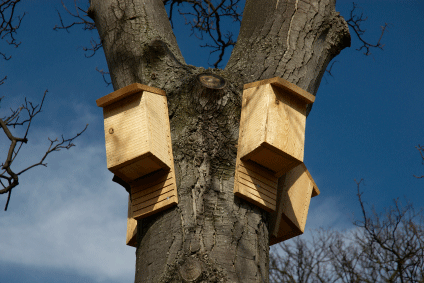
column 82, row 19
column 331, row 67
column 421, row 151
column 205, row 17
column 103, row 73
column 13, row 120
column 329, row 71
column 94, row 47
column 64, row 144
column 10, row 23
column 355, row 22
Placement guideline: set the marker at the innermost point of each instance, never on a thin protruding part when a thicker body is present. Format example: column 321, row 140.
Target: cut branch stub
column 211, row 81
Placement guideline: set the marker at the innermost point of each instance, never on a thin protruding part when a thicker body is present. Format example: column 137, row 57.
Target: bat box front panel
column 136, row 136
column 295, row 190
column 256, row 185
column 153, row 193
column 273, row 132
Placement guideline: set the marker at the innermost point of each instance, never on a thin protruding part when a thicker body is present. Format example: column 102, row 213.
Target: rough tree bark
column 212, row 236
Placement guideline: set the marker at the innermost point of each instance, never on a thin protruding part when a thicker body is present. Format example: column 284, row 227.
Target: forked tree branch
column 8, row 175
column 205, row 17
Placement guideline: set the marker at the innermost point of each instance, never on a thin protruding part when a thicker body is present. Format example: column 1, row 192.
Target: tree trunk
column 212, row 236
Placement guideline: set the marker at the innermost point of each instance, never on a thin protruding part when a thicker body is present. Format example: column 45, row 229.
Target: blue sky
column 67, row 222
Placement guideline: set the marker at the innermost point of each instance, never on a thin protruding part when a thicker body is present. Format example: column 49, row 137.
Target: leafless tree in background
column 384, row 247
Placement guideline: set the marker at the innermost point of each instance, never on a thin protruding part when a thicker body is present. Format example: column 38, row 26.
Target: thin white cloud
column 328, row 212
column 69, row 215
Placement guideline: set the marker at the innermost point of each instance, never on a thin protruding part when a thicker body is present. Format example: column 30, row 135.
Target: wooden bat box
column 139, row 149
column 272, row 125
column 136, row 131
column 295, row 190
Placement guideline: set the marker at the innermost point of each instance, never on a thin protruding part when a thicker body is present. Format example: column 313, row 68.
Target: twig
column 206, row 18
column 355, row 22
column 421, row 151
column 13, row 120
column 84, row 20
column 103, row 73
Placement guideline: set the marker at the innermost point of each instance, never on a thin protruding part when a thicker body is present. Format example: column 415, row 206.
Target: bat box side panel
column 293, row 199
column 288, row 120
column 131, row 227
column 253, row 119
column 157, row 106
column 129, row 138
column 156, row 191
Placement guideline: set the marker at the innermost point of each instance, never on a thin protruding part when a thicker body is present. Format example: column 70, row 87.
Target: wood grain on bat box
column 295, row 190
column 272, row 124
column 136, row 130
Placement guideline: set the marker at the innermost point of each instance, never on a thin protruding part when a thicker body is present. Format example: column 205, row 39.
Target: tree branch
column 82, row 19
column 421, row 151
column 104, row 74
column 13, row 120
column 207, row 19
column 355, row 22
column 9, row 23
